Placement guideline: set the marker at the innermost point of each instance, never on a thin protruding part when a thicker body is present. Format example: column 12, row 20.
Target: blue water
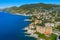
column 11, row 27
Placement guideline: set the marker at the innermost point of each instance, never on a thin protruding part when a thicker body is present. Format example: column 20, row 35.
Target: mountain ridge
column 31, row 8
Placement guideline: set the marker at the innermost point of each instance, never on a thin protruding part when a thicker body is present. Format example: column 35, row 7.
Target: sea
column 11, row 27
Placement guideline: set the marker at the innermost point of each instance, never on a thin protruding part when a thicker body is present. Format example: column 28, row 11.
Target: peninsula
column 44, row 18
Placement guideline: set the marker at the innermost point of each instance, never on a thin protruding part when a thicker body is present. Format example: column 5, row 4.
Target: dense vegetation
column 51, row 37
column 31, row 8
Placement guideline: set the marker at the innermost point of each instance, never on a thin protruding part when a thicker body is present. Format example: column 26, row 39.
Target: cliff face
column 31, row 8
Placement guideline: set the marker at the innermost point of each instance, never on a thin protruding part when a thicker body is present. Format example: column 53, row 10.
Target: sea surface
column 11, row 27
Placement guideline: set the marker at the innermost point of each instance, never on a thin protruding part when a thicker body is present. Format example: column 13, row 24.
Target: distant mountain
column 0, row 9
column 31, row 8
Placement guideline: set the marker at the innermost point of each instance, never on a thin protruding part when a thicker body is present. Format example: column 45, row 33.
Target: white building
column 49, row 24
column 57, row 23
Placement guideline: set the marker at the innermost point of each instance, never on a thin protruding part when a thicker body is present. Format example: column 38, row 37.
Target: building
column 44, row 30
column 49, row 24
column 36, row 21
column 40, row 29
column 57, row 24
column 31, row 26
column 48, row 30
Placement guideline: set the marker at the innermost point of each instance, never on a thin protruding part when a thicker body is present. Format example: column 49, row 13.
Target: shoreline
column 26, row 28
column 31, row 35
column 21, row 14
column 16, row 13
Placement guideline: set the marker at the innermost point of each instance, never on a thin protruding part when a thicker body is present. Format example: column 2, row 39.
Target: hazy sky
column 9, row 3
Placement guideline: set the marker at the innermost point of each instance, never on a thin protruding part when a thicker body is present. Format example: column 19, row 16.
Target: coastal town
column 29, row 19
column 44, row 25
column 44, row 20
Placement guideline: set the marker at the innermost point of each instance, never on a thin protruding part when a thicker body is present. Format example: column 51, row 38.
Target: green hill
column 31, row 8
